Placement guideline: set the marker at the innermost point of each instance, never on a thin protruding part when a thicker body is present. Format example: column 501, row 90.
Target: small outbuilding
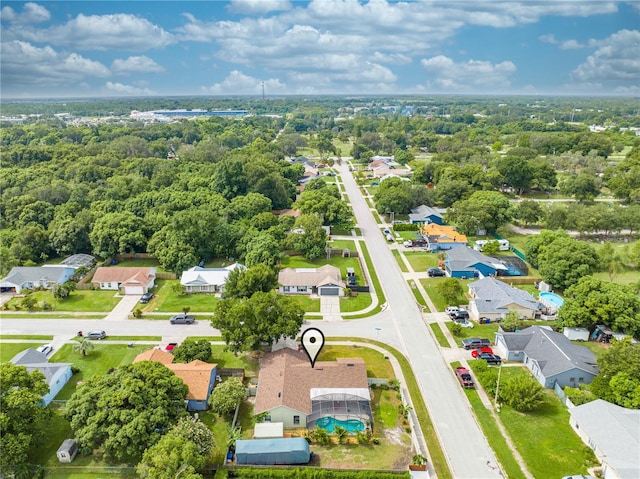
column 67, row 451
column 266, row 452
column 576, row 334
column 264, row 430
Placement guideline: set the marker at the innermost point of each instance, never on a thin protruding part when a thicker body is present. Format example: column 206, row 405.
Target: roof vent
column 279, row 395
column 349, row 365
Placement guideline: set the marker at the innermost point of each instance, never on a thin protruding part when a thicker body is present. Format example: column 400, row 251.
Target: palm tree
column 616, row 265
column 341, row 434
column 83, row 346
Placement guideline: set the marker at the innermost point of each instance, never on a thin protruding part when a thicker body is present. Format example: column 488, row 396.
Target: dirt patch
column 394, row 436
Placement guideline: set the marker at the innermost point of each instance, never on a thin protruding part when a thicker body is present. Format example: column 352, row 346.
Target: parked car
column 45, row 349
column 352, row 280
column 433, row 272
column 96, row 335
column 465, row 323
column 466, row 381
column 451, row 309
column 476, row 352
column 490, row 358
column 182, row 319
column 475, row 343
column 459, row 315
column 146, row 297
column 170, row 347
column 408, row 244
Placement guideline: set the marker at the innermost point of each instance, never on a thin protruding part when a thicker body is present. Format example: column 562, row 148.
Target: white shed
column 67, row 451
column 265, row 430
column 577, row 334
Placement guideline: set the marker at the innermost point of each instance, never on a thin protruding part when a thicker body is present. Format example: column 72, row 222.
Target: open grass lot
column 544, row 438
column 349, row 304
column 167, row 300
column 226, row 359
column 628, row 276
column 377, row 365
column 141, row 263
column 99, row 360
column 421, row 260
column 310, row 305
column 77, row 301
column 487, row 331
column 337, row 261
column 342, row 244
column 9, row 350
column 406, row 235
column 430, row 286
column 401, row 264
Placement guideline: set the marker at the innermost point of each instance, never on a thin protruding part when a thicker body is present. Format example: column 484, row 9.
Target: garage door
column 329, row 291
column 133, row 290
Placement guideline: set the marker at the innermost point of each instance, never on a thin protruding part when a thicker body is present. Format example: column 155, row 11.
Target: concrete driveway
column 123, row 308
column 330, row 308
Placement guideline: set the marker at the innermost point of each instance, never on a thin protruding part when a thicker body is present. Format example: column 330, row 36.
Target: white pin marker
column 312, row 342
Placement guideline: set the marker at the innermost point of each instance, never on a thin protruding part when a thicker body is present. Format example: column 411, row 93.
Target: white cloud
column 571, row 45
column 103, row 32
column 136, row 64
column 237, row 83
column 126, row 90
column 31, row 13
column 259, row 7
column 549, row 38
column 391, row 58
column 465, row 76
column 617, row 58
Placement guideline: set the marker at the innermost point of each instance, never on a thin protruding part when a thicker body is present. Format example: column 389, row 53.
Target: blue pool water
column 552, row 298
column 330, row 424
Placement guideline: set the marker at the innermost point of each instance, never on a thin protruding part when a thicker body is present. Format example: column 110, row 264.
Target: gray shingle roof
column 615, row 431
column 493, row 296
column 36, row 361
column 422, row 212
column 463, row 259
column 554, row 352
column 22, row 274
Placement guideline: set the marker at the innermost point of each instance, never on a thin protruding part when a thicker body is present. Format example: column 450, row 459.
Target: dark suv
column 475, row 343
column 433, row 272
column 490, row 358
column 459, row 315
column 146, row 297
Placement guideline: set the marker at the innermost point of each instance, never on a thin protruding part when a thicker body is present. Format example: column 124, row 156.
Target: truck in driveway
column 182, row 319
column 464, row 377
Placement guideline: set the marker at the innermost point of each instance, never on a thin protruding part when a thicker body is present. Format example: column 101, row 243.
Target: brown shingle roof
column 123, row 275
column 196, row 374
column 286, row 379
column 310, row 276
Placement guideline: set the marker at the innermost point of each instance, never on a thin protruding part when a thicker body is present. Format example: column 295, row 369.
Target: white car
column 45, row 349
column 451, row 309
column 464, row 323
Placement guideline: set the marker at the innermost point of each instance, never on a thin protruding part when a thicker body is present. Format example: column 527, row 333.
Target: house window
column 286, row 289
column 296, row 420
column 267, row 419
column 572, row 380
column 581, row 380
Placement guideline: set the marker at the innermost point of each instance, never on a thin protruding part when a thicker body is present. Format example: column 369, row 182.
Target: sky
column 53, row 49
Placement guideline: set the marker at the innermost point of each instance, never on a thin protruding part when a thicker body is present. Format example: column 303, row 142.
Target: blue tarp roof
column 294, row 450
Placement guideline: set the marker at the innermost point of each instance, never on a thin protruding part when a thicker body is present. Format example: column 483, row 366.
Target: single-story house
column 266, row 452
column 492, row 298
column 386, row 172
column 31, row 277
column 441, row 237
column 292, row 392
column 551, row 357
column 128, row 280
column 56, row 374
column 325, row 281
column 199, row 376
column 207, row 280
column 468, row 263
column 613, row 432
column 426, row 214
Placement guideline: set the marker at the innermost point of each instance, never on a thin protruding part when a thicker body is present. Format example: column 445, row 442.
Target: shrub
column 522, row 393
column 456, row 329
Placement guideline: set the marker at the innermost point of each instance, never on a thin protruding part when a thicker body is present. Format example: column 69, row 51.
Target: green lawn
column 417, row 294
column 406, row 235
column 9, row 350
column 354, row 303
column 141, row 263
column 430, row 286
column 440, row 337
column 401, row 264
column 99, row 360
column 342, row 244
column 310, row 305
column 45, row 337
column 77, row 301
column 226, row 359
column 487, row 331
column 421, row 260
column 629, row 276
column 377, row 365
column 167, row 300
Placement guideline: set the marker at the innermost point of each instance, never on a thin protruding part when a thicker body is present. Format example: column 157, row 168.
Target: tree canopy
column 619, row 378
column 564, row 261
column 191, row 349
column 483, row 210
column 226, row 395
column 126, row 410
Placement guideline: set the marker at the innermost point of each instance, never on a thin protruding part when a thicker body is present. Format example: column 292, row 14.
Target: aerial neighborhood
column 397, row 286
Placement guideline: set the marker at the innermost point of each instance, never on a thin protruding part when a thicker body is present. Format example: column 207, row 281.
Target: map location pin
column 312, row 342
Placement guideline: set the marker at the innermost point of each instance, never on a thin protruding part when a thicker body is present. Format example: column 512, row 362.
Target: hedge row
column 406, row 227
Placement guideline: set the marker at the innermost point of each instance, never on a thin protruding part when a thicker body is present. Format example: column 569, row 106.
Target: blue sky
column 112, row 48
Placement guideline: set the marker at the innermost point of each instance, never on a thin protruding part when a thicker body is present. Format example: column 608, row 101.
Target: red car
column 464, row 377
column 476, row 352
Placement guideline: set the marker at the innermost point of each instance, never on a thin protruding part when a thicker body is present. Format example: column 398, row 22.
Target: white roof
column 208, row 276
column 361, row 393
column 268, row 429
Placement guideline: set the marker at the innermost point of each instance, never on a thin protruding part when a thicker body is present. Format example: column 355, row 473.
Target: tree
column 22, row 416
column 529, row 212
column 483, row 210
column 517, row 172
column 248, row 323
column 535, row 244
column 619, row 378
column 226, row 395
column 308, row 236
column 191, row 349
column 522, row 393
column 451, row 290
column 565, row 260
column 262, row 248
column 326, row 203
column 115, row 233
column 126, row 410
column 491, row 247
column 182, row 452
column 581, row 187
column 511, row 321
column 83, row 346
column 242, row 283
column 592, row 301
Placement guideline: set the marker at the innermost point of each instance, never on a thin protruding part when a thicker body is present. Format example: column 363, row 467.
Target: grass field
column 310, row 305
column 77, row 301
column 45, row 337
column 9, row 350
column 416, row 293
column 141, row 263
column 377, row 365
column 401, row 264
column 342, row 244
column 167, row 300
column 430, row 286
column 487, row 331
column 629, row 276
column 337, row 261
column 355, row 303
column 420, row 261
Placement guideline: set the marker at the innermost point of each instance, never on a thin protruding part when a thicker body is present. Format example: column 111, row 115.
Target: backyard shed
column 293, row 450
column 263, row 430
column 576, row 334
column 67, row 450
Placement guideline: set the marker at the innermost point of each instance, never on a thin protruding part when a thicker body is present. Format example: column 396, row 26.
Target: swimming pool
column 552, row 299
column 330, row 424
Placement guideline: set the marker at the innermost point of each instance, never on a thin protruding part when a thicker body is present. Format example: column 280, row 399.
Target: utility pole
column 263, row 91
column 495, row 399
